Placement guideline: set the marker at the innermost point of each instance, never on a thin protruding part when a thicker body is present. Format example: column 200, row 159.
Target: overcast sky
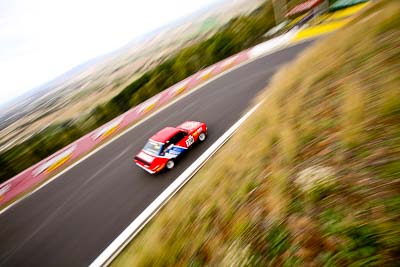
column 41, row 39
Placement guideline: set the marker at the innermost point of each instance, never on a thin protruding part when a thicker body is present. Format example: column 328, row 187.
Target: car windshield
column 153, row 147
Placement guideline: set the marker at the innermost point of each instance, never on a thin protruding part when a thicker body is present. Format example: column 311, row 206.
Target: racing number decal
column 190, row 141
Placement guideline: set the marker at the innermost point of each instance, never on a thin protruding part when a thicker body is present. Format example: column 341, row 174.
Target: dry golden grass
column 312, row 178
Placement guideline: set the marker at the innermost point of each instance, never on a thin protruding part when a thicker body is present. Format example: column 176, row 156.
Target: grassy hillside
column 312, row 178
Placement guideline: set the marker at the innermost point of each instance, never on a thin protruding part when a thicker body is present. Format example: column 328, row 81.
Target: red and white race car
column 163, row 148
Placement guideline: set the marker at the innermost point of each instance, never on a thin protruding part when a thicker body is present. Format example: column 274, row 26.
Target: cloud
column 41, row 39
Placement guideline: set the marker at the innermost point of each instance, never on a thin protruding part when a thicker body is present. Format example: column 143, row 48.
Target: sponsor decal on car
column 55, row 162
column 189, row 141
column 174, row 151
column 106, row 130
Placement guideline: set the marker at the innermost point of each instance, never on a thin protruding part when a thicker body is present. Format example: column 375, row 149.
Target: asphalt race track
column 73, row 219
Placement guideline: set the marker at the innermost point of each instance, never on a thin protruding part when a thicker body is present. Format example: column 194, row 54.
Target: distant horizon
column 6, row 101
column 78, row 66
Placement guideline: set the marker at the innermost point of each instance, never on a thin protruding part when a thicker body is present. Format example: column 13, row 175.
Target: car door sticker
column 189, row 141
column 174, row 151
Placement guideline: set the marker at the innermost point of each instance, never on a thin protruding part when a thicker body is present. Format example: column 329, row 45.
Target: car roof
column 165, row 134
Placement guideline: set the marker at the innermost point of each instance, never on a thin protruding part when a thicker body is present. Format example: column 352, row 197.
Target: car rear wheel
column 202, row 137
column 170, row 164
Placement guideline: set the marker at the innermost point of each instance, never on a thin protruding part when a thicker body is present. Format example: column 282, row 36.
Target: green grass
column 312, row 178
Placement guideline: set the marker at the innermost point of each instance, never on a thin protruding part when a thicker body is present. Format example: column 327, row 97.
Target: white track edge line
column 116, row 246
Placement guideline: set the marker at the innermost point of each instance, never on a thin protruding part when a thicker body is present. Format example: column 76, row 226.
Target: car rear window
column 153, row 147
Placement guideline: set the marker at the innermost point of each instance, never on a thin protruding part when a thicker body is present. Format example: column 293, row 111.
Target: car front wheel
column 202, row 137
